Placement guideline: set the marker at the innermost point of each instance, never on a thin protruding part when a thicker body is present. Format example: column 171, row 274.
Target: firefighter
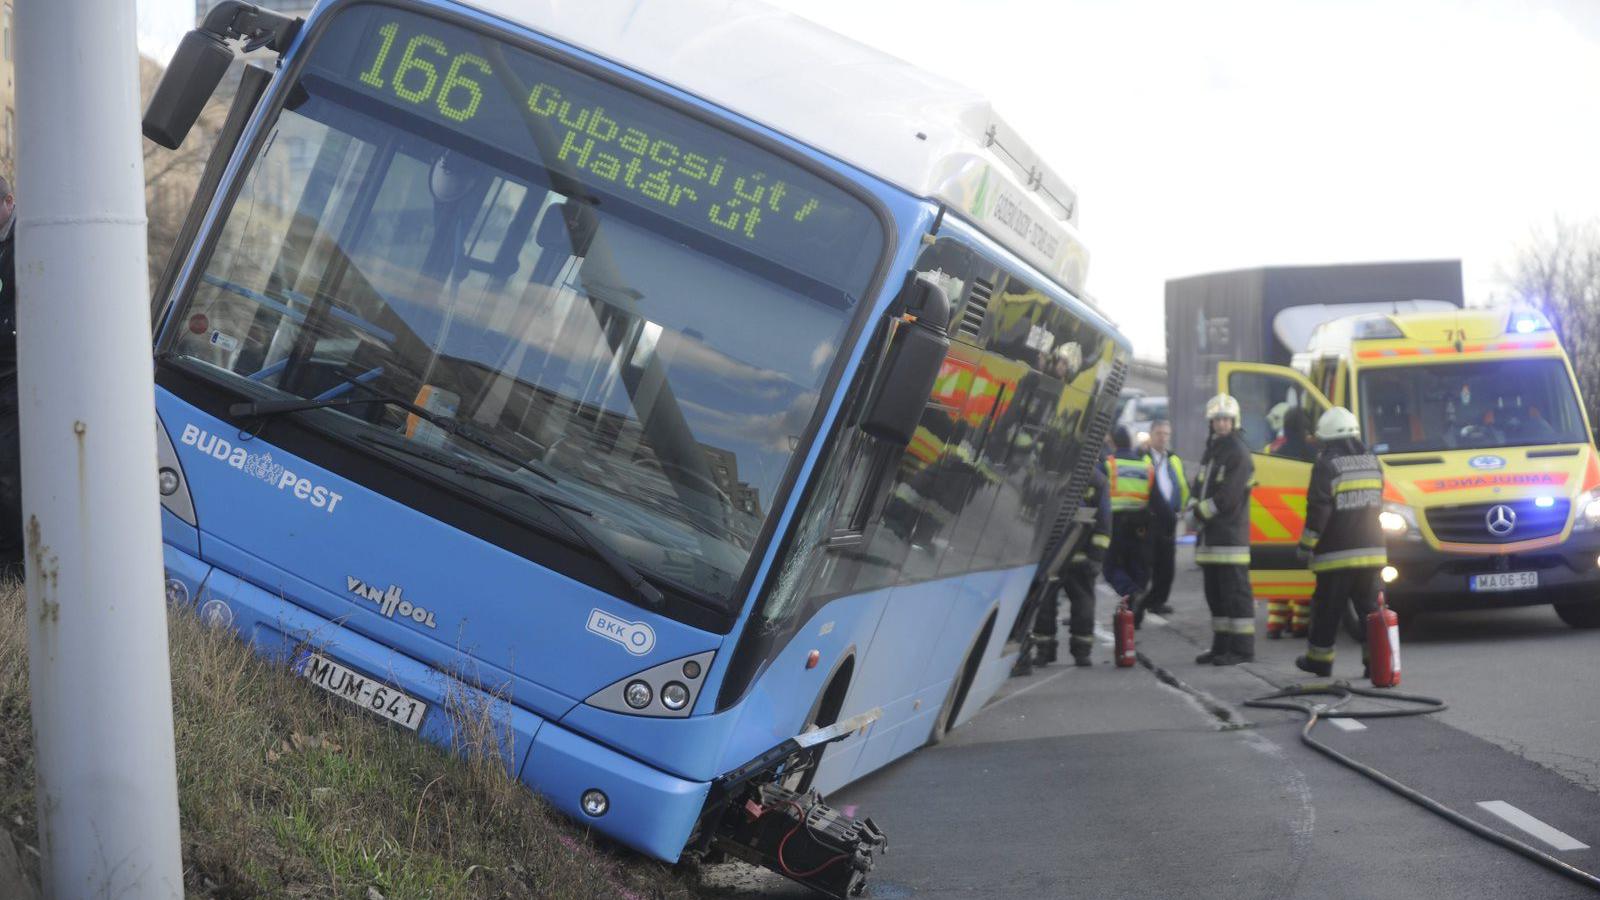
column 1342, row 537
column 1077, row 581
column 1222, row 548
column 1127, row 566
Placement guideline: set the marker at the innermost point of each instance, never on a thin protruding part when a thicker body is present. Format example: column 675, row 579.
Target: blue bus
column 703, row 411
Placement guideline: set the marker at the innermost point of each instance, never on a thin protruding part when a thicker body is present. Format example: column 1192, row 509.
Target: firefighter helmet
column 1222, row 406
column 1336, row 424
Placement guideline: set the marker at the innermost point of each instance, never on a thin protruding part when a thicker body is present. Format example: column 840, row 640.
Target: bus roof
column 917, row 130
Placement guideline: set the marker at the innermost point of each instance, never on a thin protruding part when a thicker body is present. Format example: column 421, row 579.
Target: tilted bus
column 1492, row 493
column 592, row 363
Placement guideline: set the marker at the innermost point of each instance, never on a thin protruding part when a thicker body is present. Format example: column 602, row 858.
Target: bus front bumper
column 1429, row 579
column 652, row 811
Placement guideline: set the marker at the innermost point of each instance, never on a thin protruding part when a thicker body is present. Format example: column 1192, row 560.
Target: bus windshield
column 624, row 306
column 1467, row 405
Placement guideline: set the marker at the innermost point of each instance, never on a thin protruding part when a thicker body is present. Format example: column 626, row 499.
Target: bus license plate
column 1505, row 581
column 391, row 703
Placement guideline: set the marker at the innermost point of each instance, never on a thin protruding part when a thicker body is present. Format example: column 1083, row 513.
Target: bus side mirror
column 196, row 69
column 911, row 365
column 202, row 59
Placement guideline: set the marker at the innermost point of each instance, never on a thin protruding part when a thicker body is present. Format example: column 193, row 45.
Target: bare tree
column 1558, row 271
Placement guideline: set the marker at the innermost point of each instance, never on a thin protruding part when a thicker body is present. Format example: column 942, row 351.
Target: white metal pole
column 97, row 649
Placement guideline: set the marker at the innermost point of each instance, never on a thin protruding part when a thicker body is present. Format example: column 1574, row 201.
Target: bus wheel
column 959, row 685
column 1579, row 615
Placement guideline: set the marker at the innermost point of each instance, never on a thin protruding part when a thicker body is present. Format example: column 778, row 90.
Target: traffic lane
column 1029, row 740
column 1037, row 798
column 1519, row 678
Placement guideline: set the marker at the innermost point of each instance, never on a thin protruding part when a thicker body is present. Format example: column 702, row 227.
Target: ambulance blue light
column 1527, row 326
column 1545, row 502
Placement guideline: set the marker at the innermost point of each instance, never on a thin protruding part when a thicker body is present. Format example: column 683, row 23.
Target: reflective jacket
column 1158, row 504
column 1097, row 538
column 1130, row 481
column 1342, row 507
column 1222, row 502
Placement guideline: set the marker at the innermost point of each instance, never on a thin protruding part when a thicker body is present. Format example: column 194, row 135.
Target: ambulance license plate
column 1505, row 581
column 392, row 703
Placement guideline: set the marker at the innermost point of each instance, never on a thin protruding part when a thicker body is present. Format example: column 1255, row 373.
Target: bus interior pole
column 106, row 787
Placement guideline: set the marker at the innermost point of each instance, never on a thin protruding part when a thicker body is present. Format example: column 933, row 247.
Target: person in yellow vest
column 1127, row 567
column 1169, row 497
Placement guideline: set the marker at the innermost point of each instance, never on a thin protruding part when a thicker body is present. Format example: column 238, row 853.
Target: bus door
column 1278, row 409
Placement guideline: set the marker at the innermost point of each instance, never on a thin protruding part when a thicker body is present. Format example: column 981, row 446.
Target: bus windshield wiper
column 565, row 511
column 446, row 423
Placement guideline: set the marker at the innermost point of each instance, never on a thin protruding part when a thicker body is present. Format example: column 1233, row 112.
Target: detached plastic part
column 750, row 815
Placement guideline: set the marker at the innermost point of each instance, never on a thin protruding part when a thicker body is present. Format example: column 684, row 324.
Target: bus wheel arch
column 825, row 711
column 961, row 684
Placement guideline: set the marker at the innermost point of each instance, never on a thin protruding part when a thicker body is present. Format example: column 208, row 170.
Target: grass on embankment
column 285, row 791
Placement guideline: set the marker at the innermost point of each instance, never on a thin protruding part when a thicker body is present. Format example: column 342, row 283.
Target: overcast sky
column 1232, row 134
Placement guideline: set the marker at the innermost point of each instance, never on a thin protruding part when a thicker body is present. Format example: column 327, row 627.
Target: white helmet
column 1336, row 424
column 1222, row 406
column 1275, row 415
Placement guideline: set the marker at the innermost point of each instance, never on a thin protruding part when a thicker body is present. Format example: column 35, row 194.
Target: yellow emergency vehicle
column 1492, row 491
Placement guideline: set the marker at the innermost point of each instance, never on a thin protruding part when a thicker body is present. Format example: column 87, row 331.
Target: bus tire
column 960, row 684
column 1579, row 615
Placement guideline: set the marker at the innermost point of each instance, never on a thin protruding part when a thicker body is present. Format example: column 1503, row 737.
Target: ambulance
column 1492, row 482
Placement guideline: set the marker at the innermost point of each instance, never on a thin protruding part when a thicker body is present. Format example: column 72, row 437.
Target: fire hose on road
column 1296, row 699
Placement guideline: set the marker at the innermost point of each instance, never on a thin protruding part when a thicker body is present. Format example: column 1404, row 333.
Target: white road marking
column 1154, row 619
column 1018, row 693
column 1552, row 836
column 1106, row 638
column 1347, row 724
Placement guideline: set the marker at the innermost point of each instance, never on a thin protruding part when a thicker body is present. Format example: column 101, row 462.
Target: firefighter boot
column 1080, row 645
column 1044, row 651
column 1241, row 648
column 1311, row 662
column 1219, row 646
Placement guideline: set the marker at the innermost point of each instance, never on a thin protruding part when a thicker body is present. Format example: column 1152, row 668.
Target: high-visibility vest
column 1179, row 481
column 1130, row 483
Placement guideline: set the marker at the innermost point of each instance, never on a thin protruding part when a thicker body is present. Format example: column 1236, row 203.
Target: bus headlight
column 1586, row 511
column 666, row 690
column 1399, row 520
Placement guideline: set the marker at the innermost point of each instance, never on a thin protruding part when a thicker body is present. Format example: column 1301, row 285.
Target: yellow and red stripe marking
column 1450, row 349
column 1277, row 515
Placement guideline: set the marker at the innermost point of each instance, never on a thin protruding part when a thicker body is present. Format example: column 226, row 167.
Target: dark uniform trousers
column 1127, row 567
column 1163, row 561
column 1228, row 596
column 1336, row 589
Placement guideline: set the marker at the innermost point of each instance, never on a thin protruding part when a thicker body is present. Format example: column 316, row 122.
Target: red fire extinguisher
column 1383, row 645
column 1122, row 629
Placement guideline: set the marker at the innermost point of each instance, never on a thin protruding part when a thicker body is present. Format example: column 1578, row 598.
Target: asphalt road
column 1106, row 782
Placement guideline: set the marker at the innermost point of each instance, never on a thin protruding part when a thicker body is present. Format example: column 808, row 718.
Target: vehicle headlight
column 1586, row 511
column 1399, row 520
